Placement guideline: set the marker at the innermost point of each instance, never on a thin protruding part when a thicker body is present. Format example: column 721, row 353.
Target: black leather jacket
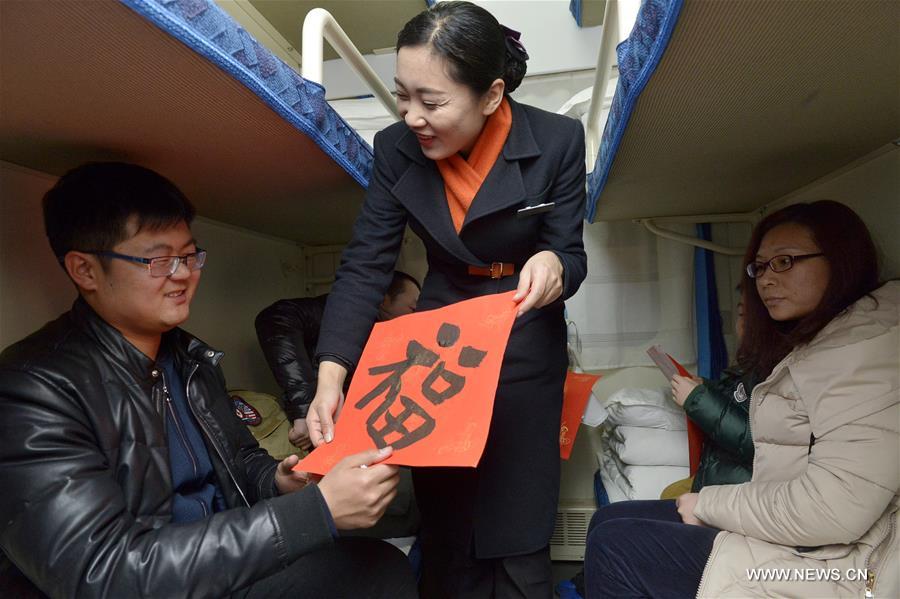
column 84, row 472
column 288, row 332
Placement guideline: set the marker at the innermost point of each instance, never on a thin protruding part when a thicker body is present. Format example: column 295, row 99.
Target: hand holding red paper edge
column 670, row 367
column 425, row 385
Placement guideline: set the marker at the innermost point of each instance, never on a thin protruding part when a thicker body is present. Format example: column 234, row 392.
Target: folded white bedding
column 636, row 482
column 613, row 490
column 645, row 407
column 647, row 482
column 642, row 446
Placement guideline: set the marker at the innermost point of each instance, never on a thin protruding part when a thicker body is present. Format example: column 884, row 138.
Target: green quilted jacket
column 721, row 409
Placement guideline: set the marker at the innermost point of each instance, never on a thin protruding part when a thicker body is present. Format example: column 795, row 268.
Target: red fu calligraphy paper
column 576, row 392
column 425, row 384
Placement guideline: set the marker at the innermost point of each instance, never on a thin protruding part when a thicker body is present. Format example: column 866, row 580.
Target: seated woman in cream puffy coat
column 819, row 517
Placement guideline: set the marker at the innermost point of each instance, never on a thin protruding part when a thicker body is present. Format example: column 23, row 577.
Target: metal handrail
column 319, row 25
column 651, row 225
column 606, row 58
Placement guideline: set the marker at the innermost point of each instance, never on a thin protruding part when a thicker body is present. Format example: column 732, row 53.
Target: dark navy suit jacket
column 508, row 504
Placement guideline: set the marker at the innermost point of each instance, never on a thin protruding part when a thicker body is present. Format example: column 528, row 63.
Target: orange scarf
column 463, row 178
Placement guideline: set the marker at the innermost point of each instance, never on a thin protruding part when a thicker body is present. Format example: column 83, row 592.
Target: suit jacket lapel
column 503, row 187
column 421, row 190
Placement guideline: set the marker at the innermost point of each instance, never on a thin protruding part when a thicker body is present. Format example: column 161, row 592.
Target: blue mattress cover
column 209, row 31
column 577, row 10
column 638, row 57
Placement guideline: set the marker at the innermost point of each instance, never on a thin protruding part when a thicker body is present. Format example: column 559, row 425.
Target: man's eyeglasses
column 161, row 266
column 777, row 264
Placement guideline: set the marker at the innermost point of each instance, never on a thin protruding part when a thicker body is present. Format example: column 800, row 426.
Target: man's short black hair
column 396, row 286
column 89, row 207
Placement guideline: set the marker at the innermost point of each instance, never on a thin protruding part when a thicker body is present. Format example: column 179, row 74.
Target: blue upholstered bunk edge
column 575, row 8
column 638, row 57
column 206, row 29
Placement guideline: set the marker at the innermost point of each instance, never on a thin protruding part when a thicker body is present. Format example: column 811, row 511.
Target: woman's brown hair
column 853, row 263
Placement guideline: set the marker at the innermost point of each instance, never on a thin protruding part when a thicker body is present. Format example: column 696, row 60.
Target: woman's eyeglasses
column 777, row 264
column 161, row 266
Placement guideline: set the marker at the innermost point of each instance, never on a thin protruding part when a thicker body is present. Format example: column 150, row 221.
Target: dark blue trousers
column 643, row 549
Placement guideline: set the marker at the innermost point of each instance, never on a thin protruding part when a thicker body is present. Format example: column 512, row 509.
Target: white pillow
column 645, row 407
column 611, row 474
column 648, row 482
column 595, row 413
column 642, row 446
column 636, row 482
column 613, row 492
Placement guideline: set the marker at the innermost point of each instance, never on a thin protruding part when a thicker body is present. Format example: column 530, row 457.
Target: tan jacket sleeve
column 851, row 395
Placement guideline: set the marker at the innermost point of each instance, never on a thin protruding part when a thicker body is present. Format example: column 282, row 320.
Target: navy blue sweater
column 193, row 480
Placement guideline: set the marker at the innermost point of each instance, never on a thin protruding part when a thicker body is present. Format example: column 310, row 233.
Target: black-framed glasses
column 777, row 264
column 161, row 266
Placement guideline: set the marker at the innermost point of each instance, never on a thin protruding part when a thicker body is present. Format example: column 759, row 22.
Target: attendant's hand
column 299, row 434
column 286, row 479
column 682, row 387
column 327, row 403
column 357, row 493
column 540, row 282
column 685, row 504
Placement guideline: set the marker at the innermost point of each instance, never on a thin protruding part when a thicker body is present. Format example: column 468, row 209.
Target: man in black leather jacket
column 288, row 332
column 124, row 470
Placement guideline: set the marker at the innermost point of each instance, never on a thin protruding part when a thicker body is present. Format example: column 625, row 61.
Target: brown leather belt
column 497, row 270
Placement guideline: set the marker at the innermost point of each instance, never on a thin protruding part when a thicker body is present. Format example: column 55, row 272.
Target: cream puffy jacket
column 823, row 502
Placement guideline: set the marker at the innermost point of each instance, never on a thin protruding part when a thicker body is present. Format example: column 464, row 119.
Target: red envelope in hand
column 670, row 366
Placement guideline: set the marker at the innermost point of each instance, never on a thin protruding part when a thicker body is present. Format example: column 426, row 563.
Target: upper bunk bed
column 724, row 107
column 181, row 88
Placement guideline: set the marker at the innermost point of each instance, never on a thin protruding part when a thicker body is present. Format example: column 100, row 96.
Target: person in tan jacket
column 819, row 517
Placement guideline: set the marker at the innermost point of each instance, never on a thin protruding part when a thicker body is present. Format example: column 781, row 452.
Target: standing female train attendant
column 819, row 517
column 467, row 169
